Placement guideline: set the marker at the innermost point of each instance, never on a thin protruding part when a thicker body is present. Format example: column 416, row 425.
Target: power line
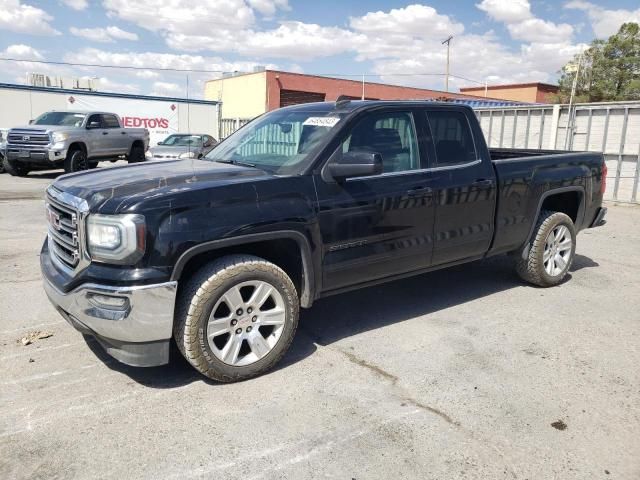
column 195, row 70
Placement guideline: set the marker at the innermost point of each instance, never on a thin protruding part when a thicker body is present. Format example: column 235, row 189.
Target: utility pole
column 568, row 139
column 446, row 78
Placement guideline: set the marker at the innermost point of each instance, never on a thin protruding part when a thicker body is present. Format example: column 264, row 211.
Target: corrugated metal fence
column 611, row 128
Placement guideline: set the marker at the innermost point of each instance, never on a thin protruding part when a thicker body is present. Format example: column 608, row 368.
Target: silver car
column 182, row 145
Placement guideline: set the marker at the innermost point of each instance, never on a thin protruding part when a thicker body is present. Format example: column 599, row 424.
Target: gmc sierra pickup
column 303, row 202
column 72, row 140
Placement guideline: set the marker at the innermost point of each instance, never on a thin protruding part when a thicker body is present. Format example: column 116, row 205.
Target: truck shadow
column 334, row 318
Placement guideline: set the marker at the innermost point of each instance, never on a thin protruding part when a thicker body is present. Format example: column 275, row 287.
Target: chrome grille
column 63, row 222
column 28, row 138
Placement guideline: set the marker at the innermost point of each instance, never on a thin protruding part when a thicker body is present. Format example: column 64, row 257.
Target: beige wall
column 244, row 96
column 518, row 94
column 17, row 107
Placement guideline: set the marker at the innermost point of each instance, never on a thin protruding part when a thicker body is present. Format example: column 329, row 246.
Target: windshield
column 68, row 119
column 182, row 140
column 279, row 142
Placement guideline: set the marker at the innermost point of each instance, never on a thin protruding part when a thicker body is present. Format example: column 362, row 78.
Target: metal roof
column 12, row 86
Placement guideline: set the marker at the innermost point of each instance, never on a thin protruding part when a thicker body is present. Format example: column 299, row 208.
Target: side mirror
column 160, row 143
column 92, row 125
column 355, row 164
column 31, row 121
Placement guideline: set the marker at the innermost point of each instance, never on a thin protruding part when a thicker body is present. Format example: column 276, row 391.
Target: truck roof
column 347, row 106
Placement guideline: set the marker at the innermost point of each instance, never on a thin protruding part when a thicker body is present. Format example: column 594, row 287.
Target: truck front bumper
column 40, row 156
column 134, row 323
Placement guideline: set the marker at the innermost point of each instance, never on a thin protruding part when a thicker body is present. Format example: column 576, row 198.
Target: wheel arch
column 568, row 200
column 136, row 143
column 77, row 146
column 275, row 247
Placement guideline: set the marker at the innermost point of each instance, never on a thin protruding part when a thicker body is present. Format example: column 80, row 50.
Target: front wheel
column 76, row 161
column 551, row 251
column 15, row 169
column 236, row 318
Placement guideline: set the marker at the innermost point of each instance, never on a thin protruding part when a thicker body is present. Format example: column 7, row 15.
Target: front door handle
column 105, row 133
column 483, row 182
column 419, row 191
column 123, row 133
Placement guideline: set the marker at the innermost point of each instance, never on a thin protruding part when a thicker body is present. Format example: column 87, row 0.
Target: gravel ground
column 465, row 373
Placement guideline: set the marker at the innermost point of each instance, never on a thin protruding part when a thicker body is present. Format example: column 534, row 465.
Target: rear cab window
column 110, row 121
column 452, row 138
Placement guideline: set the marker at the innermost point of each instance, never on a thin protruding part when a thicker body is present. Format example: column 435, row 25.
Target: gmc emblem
column 53, row 218
column 26, row 138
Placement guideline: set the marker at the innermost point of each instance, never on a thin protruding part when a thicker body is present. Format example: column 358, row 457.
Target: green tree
column 609, row 69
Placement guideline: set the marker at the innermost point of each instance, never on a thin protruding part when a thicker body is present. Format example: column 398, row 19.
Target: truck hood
column 46, row 128
column 112, row 188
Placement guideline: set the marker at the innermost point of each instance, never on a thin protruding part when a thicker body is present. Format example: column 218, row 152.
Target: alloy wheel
column 246, row 323
column 557, row 250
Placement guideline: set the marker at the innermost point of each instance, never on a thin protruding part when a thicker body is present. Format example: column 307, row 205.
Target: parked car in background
column 303, row 202
column 182, row 145
column 72, row 140
column 3, row 137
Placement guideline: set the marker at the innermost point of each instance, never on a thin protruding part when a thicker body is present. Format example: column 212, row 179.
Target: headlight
column 116, row 238
column 59, row 136
column 187, row 155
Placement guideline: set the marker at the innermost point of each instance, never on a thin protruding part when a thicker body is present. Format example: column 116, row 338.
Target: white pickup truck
column 72, row 140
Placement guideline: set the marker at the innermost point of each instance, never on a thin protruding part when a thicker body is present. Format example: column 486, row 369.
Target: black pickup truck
column 303, row 202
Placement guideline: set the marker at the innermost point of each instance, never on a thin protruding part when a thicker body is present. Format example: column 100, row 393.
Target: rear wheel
column 236, row 318
column 137, row 154
column 15, row 169
column 551, row 251
column 76, row 161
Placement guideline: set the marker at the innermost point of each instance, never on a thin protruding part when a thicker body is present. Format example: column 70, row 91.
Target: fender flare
column 307, row 291
column 543, row 197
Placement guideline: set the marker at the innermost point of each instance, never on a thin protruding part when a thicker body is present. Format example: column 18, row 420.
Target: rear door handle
column 123, row 133
column 483, row 182
column 419, row 191
column 105, row 133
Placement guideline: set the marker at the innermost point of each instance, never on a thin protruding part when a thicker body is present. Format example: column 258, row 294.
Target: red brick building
column 250, row 94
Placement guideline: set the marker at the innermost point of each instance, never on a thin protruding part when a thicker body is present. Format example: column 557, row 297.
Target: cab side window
column 392, row 135
column 452, row 138
column 95, row 119
column 110, row 121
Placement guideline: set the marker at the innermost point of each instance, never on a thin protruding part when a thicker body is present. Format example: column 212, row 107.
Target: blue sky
column 495, row 41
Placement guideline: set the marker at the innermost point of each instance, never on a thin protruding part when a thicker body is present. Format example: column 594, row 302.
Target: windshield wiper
column 237, row 162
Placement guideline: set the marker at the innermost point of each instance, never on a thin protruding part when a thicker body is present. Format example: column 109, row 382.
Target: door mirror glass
column 356, row 164
column 93, row 124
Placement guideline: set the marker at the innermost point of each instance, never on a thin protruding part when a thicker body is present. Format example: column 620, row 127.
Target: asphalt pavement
column 466, row 373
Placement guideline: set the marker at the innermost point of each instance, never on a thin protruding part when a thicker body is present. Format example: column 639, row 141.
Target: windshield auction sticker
column 321, row 121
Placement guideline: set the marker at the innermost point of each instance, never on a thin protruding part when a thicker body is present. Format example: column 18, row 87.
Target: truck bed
column 523, row 178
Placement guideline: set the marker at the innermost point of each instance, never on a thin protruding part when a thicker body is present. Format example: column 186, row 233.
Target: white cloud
column 167, row 89
column 419, row 20
column 107, row 85
column 20, row 18
column 22, row 52
column 183, row 16
column 542, row 31
column 103, row 35
column 147, row 74
column 76, row 4
column 605, row 22
column 120, row 34
column 508, row 11
column 269, row 7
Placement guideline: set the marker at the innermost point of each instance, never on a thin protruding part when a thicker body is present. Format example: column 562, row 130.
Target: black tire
column 534, row 268
column 76, row 161
column 1, row 164
column 137, row 154
column 205, row 289
column 15, row 169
